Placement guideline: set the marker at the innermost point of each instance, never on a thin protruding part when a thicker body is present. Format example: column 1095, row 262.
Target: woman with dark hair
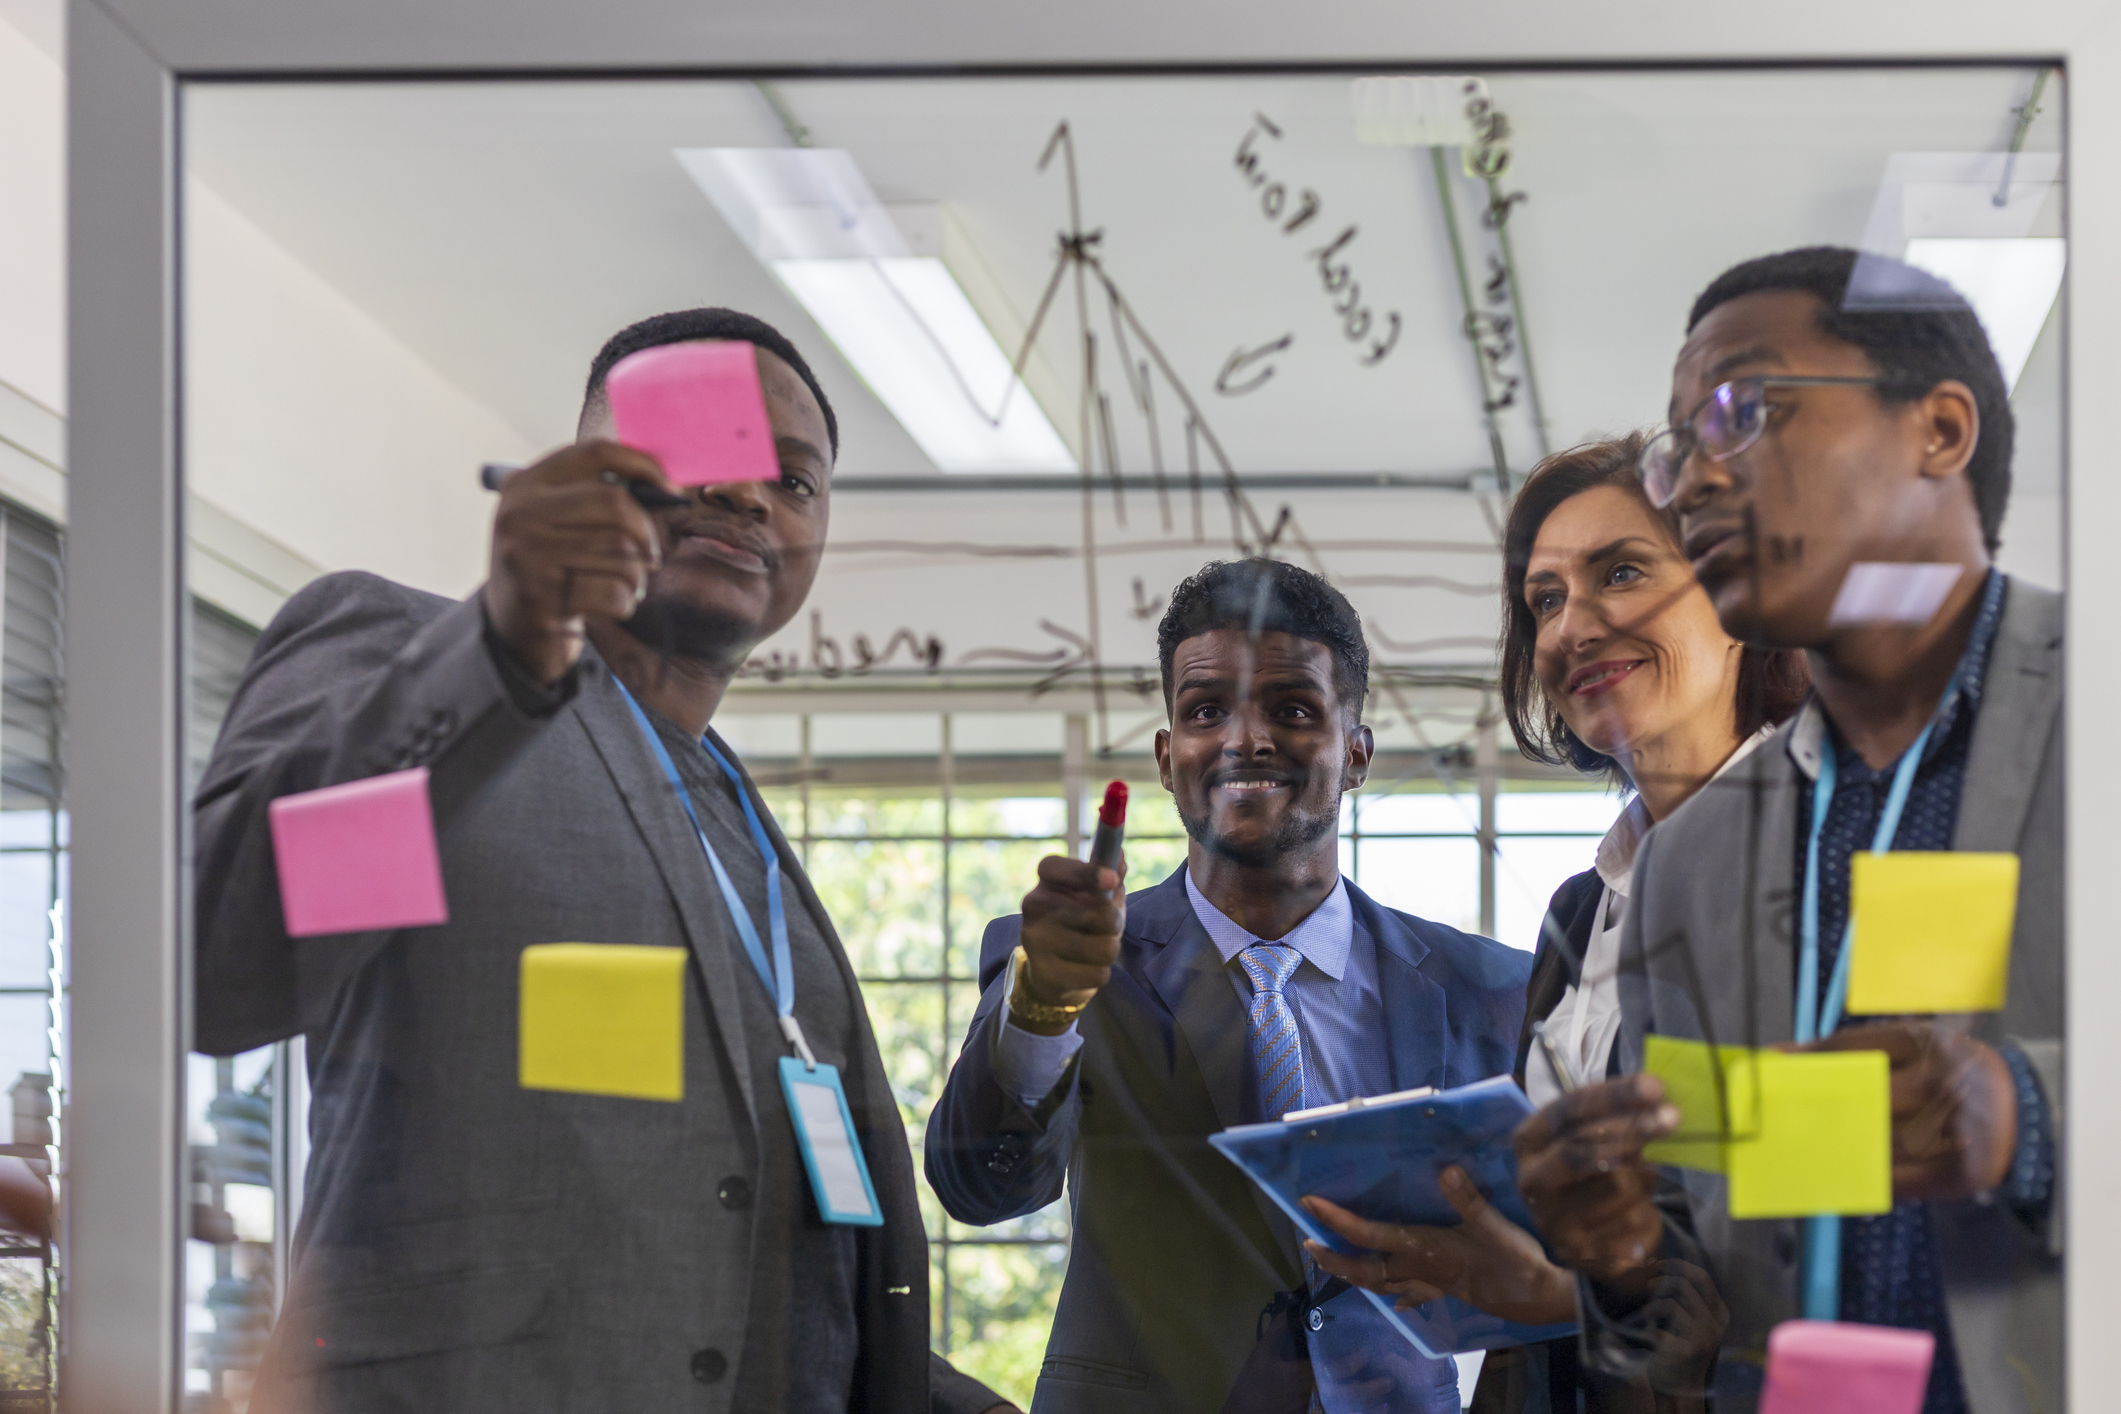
column 1613, row 662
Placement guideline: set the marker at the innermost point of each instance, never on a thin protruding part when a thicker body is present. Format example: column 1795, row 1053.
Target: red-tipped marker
column 1111, row 828
column 1114, row 811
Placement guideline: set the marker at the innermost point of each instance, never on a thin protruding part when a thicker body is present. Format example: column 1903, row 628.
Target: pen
column 650, row 496
column 1561, row 1072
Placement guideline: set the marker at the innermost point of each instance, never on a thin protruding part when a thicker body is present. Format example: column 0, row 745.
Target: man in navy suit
column 1115, row 1034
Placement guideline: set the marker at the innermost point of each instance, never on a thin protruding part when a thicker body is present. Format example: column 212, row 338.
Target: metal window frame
column 127, row 61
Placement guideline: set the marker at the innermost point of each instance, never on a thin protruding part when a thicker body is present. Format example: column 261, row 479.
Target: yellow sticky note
column 1706, row 1122
column 1932, row 932
column 601, row 1019
column 1825, row 1141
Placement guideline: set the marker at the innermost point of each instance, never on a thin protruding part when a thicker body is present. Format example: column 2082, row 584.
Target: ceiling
column 501, row 231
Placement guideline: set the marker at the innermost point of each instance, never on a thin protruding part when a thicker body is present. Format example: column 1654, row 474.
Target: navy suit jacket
column 1175, row 1256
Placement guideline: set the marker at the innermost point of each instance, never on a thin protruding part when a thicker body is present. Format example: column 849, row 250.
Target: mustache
column 732, row 531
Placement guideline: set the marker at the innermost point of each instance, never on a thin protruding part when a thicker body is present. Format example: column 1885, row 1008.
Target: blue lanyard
column 779, row 973
column 1811, row 1024
column 1822, row 1236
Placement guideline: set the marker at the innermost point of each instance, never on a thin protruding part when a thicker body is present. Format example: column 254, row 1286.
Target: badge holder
column 832, row 1154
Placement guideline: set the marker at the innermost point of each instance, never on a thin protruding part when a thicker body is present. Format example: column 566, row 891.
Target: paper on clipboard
column 1382, row 1159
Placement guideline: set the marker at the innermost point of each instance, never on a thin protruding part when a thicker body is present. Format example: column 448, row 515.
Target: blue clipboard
column 1381, row 1158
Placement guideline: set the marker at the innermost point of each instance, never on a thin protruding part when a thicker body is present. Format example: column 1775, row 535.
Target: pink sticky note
column 359, row 856
column 698, row 409
column 1839, row 1367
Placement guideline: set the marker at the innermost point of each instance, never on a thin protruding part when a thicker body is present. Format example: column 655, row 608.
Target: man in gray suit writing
column 467, row 1244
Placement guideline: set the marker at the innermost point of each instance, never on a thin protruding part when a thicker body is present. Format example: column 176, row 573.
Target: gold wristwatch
column 1023, row 1008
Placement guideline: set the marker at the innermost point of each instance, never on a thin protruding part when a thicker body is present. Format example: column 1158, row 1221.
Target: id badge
column 824, row 1130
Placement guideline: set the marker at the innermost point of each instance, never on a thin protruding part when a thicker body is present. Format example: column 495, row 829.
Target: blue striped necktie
column 1277, row 1053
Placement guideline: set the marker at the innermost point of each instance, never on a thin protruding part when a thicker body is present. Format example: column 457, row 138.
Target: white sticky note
column 1892, row 594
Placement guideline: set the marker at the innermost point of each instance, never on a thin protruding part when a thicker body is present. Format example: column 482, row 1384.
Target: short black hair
column 685, row 325
column 1916, row 330
column 1269, row 596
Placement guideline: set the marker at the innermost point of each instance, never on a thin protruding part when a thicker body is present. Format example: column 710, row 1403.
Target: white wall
column 284, row 373
column 32, row 209
column 2032, row 527
column 308, row 421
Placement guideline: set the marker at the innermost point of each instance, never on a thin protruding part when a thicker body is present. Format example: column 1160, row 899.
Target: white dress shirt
column 1586, row 1021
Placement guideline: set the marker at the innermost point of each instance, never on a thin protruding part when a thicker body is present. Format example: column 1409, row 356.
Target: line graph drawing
column 1148, row 407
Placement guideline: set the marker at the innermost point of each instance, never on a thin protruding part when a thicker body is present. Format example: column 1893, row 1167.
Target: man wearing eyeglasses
column 1840, row 423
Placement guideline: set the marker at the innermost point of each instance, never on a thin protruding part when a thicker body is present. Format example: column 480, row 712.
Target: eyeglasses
column 1723, row 424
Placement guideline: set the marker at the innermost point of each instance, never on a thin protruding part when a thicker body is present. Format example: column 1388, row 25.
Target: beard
column 1299, row 827
column 679, row 628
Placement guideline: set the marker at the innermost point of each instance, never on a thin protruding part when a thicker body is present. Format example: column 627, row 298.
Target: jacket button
column 1315, row 1319
column 1786, row 1248
column 709, row 1366
column 734, row 1193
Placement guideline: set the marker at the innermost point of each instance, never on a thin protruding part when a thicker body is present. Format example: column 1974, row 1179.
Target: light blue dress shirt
column 1340, row 1014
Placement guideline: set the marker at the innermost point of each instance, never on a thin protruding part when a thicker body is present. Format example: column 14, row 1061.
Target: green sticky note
column 1825, row 1141
column 1932, row 932
column 1707, row 1123
column 601, row 1019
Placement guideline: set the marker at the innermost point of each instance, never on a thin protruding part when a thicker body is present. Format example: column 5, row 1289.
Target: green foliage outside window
column 22, row 1312
column 879, row 865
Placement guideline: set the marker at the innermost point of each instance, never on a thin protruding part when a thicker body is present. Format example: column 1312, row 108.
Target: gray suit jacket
column 1718, row 879
column 466, row 1244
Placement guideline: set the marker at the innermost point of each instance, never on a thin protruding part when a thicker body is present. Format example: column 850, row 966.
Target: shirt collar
column 1324, row 938
column 1809, row 733
column 1616, row 852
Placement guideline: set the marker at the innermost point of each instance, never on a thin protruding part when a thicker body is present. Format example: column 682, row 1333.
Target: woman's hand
column 1581, row 1170
column 1486, row 1261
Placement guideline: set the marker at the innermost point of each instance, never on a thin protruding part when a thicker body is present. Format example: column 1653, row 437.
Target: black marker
column 1111, row 828
column 650, row 496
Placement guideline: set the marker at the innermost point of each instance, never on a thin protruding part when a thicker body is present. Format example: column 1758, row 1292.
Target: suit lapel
column 1764, row 874
column 1416, row 1022
column 1189, row 976
column 1187, row 973
column 2017, row 718
column 674, row 847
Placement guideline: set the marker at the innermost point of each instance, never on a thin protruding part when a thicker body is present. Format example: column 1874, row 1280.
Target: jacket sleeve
column 952, row 1391
column 355, row 677
column 1626, row 1336
column 988, row 1157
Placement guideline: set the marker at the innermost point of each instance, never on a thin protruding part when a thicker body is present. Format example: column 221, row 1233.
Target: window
column 32, row 880
column 917, row 829
column 243, row 1168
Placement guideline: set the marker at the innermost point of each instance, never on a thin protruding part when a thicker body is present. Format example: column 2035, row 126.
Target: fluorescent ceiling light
column 2010, row 282
column 1416, row 110
column 900, row 319
column 1989, row 224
